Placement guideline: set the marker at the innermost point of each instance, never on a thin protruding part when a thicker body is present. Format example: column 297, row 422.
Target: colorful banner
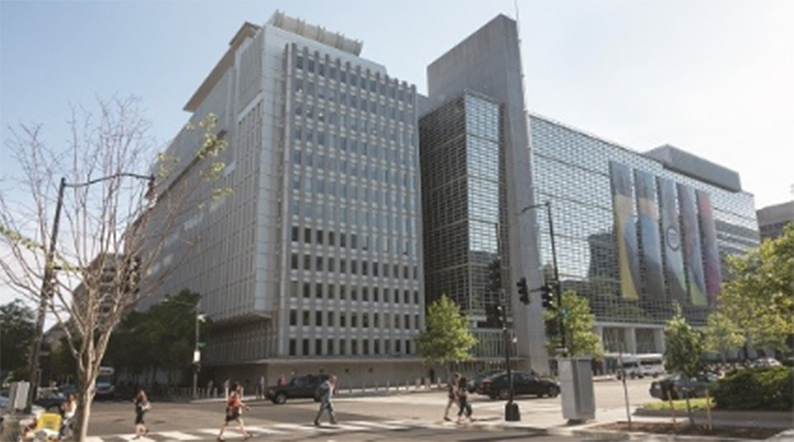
column 625, row 230
column 671, row 234
column 692, row 253
column 648, row 213
column 711, row 256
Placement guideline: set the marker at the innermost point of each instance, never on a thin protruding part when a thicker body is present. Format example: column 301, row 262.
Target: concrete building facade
column 773, row 219
column 314, row 263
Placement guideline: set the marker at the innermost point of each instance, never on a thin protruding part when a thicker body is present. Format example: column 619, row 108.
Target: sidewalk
column 552, row 423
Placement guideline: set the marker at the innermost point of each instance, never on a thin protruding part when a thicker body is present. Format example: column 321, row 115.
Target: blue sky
column 711, row 77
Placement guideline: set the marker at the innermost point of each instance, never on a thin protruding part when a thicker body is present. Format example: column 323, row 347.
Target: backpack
column 321, row 391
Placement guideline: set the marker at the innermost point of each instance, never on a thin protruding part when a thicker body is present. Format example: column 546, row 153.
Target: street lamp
column 512, row 412
column 48, row 280
column 557, row 292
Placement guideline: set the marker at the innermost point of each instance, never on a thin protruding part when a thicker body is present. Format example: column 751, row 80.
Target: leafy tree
column 447, row 337
column 760, row 295
column 721, row 334
column 580, row 337
column 17, row 325
column 683, row 350
column 114, row 220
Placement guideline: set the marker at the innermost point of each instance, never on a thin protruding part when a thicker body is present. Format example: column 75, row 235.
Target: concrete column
column 658, row 340
column 630, row 338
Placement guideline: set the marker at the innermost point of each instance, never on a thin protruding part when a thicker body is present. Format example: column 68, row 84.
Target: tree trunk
column 85, row 396
column 689, row 410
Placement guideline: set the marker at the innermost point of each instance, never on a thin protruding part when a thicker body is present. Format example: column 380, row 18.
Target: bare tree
column 118, row 201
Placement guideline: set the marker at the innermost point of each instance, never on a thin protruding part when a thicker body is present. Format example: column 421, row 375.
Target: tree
column 17, row 327
column 446, row 337
column 721, row 334
column 580, row 337
column 683, row 350
column 759, row 297
column 113, row 223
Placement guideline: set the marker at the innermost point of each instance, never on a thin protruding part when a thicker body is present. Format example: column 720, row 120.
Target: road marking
column 177, row 435
column 93, row 439
column 263, row 430
column 302, row 427
column 379, row 425
column 133, row 437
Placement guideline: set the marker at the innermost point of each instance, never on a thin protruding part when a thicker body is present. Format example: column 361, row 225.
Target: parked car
column 639, row 366
column 765, row 362
column 50, row 399
column 475, row 382
column 681, row 387
column 299, row 387
column 496, row 386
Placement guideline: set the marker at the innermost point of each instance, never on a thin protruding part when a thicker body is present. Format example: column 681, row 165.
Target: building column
column 599, row 331
column 630, row 338
column 658, row 340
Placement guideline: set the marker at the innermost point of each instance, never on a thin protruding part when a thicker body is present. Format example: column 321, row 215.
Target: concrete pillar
column 658, row 340
column 630, row 338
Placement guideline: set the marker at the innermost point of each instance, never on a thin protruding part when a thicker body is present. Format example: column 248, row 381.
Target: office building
column 315, row 262
column 773, row 219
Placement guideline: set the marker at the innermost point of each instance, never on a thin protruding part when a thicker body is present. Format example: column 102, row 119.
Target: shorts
column 139, row 417
column 232, row 414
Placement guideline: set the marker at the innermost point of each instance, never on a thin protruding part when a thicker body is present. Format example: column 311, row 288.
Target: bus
column 106, row 383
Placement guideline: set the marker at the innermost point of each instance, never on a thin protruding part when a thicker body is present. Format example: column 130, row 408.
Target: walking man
column 326, row 394
column 260, row 390
column 452, row 394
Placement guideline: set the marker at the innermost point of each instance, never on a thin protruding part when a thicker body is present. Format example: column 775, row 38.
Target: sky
column 711, row 77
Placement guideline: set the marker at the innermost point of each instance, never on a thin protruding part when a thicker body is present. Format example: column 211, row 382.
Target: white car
column 765, row 362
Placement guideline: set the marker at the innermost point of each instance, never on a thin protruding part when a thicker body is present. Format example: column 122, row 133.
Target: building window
column 305, row 347
column 293, row 317
column 318, row 347
column 307, row 289
column 318, row 319
column 292, row 348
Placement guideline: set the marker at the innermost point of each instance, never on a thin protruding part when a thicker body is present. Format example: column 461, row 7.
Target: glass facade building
column 634, row 233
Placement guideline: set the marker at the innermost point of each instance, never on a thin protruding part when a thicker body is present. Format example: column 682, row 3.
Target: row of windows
column 348, row 144
column 343, row 101
column 366, row 192
column 354, row 292
column 340, row 347
column 353, row 76
column 375, row 269
column 363, row 242
column 356, row 320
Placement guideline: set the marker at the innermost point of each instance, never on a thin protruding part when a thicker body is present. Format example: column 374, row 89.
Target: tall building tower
column 476, row 167
column 315, row 262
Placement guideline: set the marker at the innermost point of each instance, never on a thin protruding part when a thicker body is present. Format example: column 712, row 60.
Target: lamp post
column 557, row 289
column 48, row 279
column 512, row 412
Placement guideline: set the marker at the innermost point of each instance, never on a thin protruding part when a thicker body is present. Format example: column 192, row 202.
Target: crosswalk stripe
column 93, row 439
column 132, row 437
column 302, row 427
column 262, row 430
column 379, row 425
column 177, row 435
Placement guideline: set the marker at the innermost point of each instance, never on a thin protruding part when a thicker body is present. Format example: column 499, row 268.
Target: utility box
column 18, row 396
column 576, row 385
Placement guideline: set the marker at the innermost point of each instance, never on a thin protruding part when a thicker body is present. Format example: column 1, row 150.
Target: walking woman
column 68, row 410
column 234, row 411
column 142, row 405
column 463, row 400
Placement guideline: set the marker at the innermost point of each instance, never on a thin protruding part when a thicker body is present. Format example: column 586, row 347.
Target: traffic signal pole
column 512, row 413
column 557, row 288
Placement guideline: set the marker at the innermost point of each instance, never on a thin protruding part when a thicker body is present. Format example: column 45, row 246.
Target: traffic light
column 495, row 275
column 523, row 290
column 547, row 296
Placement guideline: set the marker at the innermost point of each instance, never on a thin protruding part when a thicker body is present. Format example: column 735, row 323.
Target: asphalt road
column 403, row 416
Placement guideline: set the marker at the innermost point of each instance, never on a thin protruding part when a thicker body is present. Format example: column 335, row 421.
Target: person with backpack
column 452, row 397
column 325, row 392
column 234, row 411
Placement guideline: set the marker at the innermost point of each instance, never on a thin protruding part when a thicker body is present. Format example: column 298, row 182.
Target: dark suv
column 496, row 386
column 299, row 387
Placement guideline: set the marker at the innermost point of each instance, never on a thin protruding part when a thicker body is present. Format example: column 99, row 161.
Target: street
column 403, row 416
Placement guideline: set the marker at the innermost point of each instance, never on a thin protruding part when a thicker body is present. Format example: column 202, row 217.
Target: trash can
column 576, row 385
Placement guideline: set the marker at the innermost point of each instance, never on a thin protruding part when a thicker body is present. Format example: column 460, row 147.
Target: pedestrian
column 142, row 405
column 68, row 409
column 326, row 392
column 452, row 397
column 234, row 411
column 463, row 399
column 282, row 380
column 210, row 385
column 260, row 391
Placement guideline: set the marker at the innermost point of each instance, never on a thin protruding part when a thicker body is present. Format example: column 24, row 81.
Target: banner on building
column 671, row 236
column 711, row 255
column 693, row 256
column 625, row 230
column 648, row 212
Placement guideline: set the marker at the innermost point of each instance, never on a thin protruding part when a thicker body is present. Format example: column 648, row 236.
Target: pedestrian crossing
column 279, row 429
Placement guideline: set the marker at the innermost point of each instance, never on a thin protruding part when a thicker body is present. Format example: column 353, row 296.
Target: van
column 639, row 366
